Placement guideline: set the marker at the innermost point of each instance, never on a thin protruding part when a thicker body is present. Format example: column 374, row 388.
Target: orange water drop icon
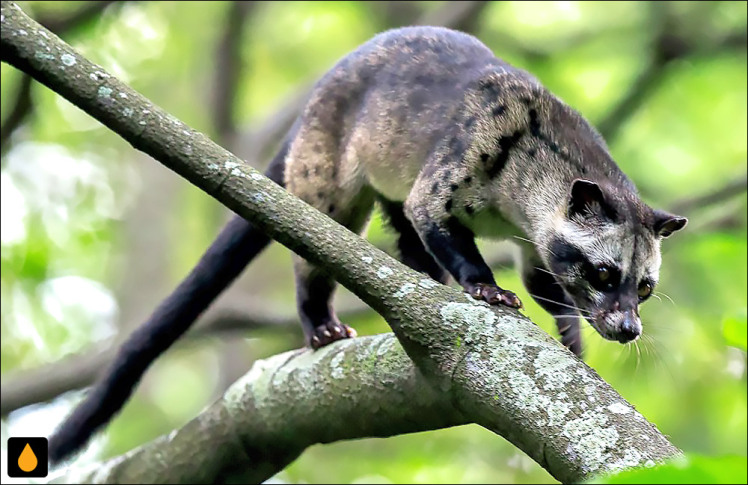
column 27, row 461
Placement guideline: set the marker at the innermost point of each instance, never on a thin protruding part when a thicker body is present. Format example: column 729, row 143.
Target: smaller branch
column 89, row 11
column 228, row 72
column 25, row 387
column 18, row 113
column 668, row 48
column 23, row 103
column 730, row 189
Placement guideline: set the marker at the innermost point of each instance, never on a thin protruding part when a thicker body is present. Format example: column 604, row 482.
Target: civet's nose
column 630, row 327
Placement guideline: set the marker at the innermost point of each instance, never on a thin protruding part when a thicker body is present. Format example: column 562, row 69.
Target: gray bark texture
column 467, row 361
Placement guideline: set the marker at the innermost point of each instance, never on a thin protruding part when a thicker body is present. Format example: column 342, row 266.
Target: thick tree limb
column 497, row 368
column 364, row 387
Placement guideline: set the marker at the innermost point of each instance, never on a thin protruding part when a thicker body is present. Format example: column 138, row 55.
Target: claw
column 493, row 294
column 329, row 332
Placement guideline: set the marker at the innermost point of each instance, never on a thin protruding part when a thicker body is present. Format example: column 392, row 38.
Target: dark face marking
column 498, row 110
column 484, row 157
column 305, row 173
column 469, row 209
column 469, row 123
column 434, row 187
column 448, row 205
column 331, row 209
column 446, row 176
column 453, row 187
column 563, row 256
column 468, row 179
column 320, row 195
column 506, row 143
column 532, row 152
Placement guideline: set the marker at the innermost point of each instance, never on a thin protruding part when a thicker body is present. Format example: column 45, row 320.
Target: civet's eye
column 603, row 273
column 645, row 289
column 604, row 278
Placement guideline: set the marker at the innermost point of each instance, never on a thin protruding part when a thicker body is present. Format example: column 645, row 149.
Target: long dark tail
column 238, row 243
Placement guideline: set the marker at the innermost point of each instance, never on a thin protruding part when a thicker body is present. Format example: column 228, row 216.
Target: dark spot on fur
column 469, row 122
column 320, row 195
column 331, row 209
column 305, row 173
column 453, row 187
column 506, row 143
column 490, row 88
column 534, row 123
column 448, row 205
column 498, row 110
column 554, row 148
column 484, row 157
column 434, row 187
column 418, row 98
column 446, row 175
column 424, row 80
column 469, row 209
column 468, row 179
column 532, row 152
column 456, row 147
column 525, row 100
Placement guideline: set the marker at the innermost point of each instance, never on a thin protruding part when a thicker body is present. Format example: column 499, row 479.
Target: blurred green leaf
column 735, row 332
column 691, row 469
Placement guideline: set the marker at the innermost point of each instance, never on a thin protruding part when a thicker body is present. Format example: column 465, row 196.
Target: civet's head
column 605, row 252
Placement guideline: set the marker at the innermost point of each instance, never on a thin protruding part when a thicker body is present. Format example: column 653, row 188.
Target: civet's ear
column 586, row 199
column 667, row 223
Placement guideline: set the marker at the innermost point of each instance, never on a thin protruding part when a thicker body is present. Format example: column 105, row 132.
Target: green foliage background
column 95, row 234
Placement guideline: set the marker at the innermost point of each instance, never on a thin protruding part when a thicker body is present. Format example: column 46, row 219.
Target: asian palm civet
column 455, row 144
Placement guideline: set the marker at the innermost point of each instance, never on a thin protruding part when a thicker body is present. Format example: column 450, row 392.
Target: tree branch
column 25, row 387
column 228, row 72
column 495, row 366
column 730, row 189
column 668, row 48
